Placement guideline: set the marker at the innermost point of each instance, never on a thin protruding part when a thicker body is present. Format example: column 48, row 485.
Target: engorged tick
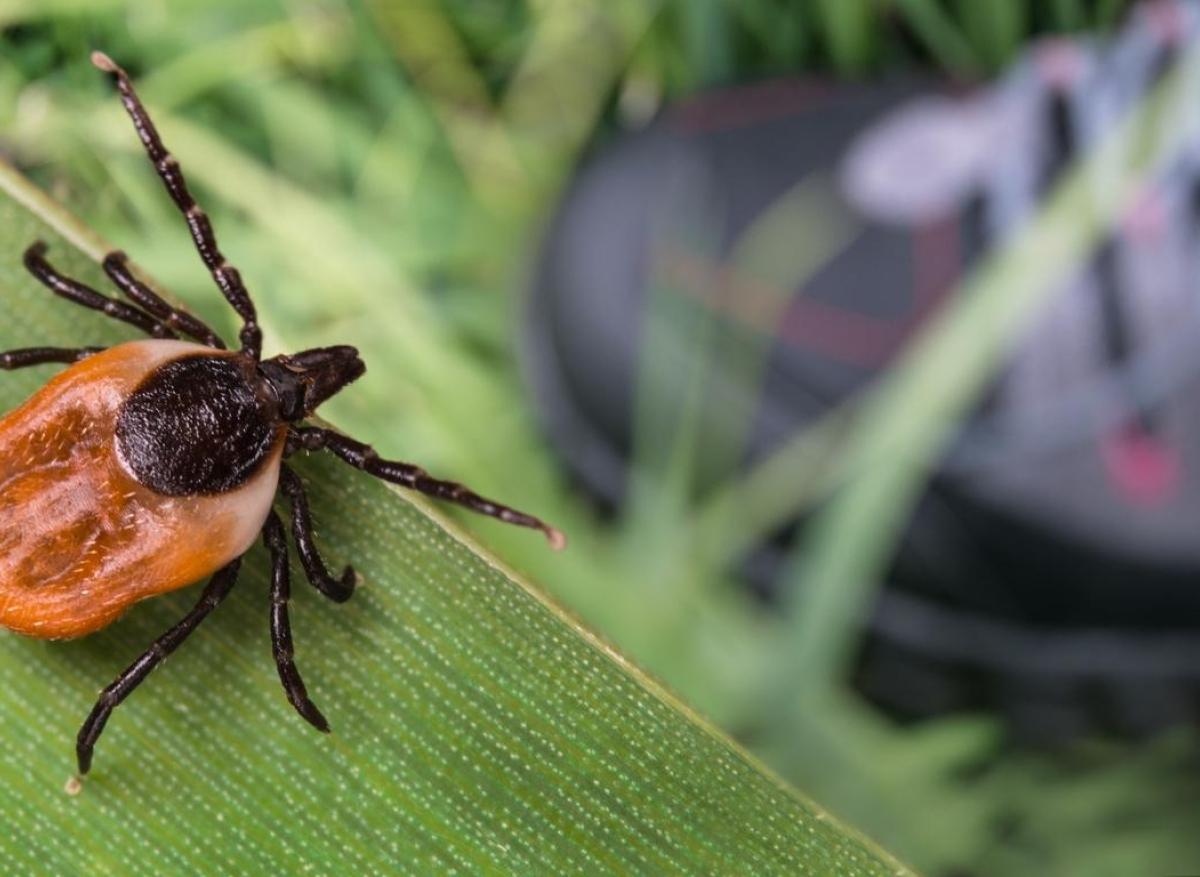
column 147, row 466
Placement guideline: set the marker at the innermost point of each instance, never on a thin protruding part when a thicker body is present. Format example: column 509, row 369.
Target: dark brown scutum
column 195, row 427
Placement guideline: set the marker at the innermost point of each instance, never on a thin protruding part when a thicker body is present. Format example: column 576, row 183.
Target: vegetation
column 381, row 171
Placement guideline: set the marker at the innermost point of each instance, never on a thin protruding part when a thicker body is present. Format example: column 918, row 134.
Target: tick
column 147, row 466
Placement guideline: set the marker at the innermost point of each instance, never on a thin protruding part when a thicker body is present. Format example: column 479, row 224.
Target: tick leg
column 82, row 294
column 116, row 266
column 13, row 359
column 281, row 626
column 363, row 457
column 226, row 276
column 218, row 589
column 338, row 590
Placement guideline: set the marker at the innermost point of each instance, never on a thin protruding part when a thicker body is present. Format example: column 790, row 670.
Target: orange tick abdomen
column 80, row 538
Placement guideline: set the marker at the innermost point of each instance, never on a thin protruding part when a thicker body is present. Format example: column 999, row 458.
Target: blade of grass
column 479, row 729
column 12, row 11
column 576, row 54
column 318, row 37
column 941, row 34
column 1068, row 14
column 753, row 286
column 849, row 28
column 424, row 39
column 705, row 28
column 995, row 27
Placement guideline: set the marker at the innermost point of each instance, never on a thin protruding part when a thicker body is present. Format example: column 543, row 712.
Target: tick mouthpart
column 327, row 371
column 300, row 382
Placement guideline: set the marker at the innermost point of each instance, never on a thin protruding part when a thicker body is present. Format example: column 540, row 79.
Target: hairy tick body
column 145, row 467
column 197, row 426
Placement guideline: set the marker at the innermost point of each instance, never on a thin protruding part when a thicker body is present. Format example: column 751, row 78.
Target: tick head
column 298, row 383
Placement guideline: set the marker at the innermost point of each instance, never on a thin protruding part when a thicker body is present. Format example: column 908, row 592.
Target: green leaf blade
column 477, row 728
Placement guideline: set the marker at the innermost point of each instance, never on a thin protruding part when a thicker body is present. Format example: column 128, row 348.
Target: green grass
column 381, row 172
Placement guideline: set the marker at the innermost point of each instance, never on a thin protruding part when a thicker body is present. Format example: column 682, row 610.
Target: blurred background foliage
column 382, row 172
